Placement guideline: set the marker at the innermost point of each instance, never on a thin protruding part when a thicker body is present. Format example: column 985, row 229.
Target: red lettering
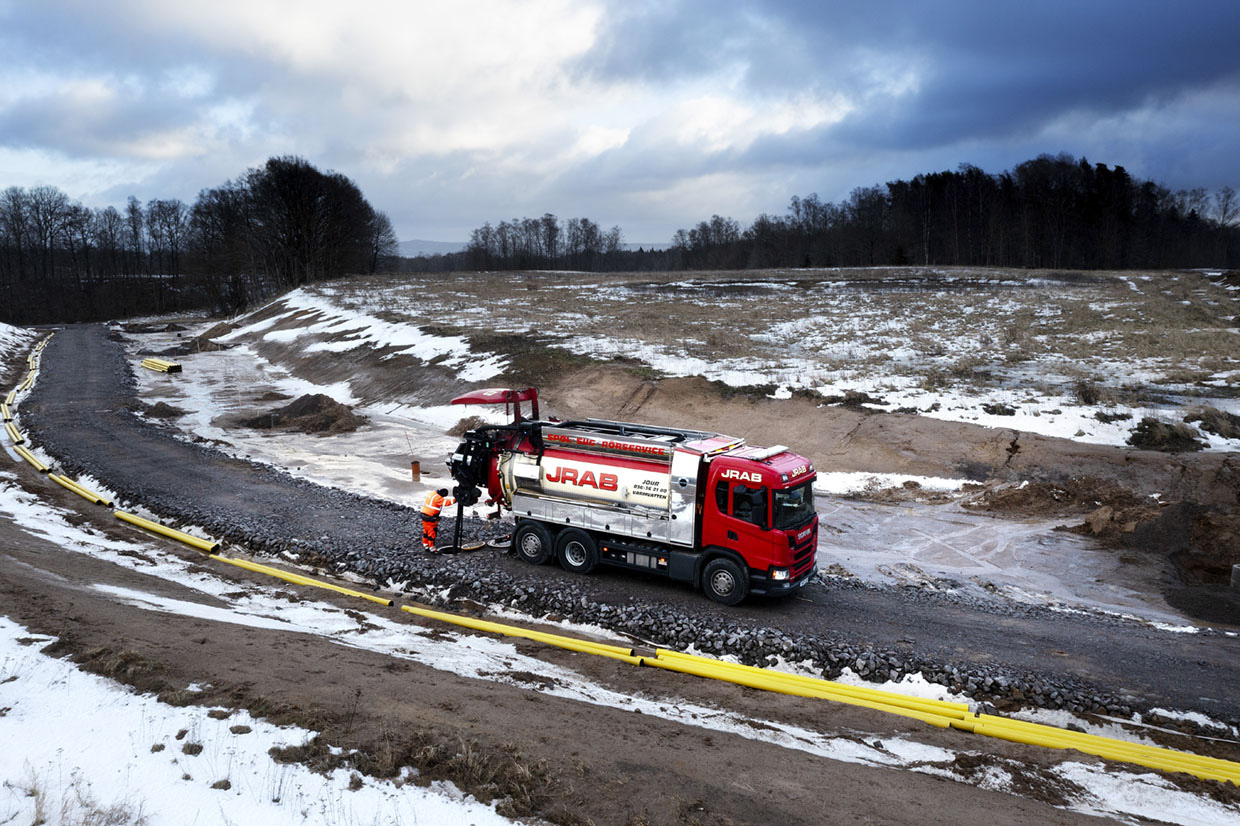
column 553, row 475
column 608, row 481
column 587, row 478
column 568, row 476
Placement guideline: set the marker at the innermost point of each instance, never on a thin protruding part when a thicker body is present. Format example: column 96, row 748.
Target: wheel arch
column 711, row 552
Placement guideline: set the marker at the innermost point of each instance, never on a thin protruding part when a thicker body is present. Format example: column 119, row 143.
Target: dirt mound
column 315, row 413
column 1218, row 422
column 1077, row 495
column 1203, row 543
column 153, row 328
column 1209, row 603
column 1151, row 434
column 163, row 410
column 1213, row 547
column 201, row 344
column 468, row 423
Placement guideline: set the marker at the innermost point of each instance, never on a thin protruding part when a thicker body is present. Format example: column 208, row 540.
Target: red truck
column 694, row 506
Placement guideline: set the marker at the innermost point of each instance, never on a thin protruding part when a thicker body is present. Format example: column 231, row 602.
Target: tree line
column 277, row 226
column 541, row 243
column 1050, row 212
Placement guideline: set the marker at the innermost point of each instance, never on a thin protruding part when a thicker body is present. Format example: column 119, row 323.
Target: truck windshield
column 794, row 506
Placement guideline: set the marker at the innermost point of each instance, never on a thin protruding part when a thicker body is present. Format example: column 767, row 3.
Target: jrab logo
column 586, row 479
column 742, row 476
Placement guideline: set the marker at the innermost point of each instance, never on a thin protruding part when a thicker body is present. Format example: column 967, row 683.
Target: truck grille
column 803, row 555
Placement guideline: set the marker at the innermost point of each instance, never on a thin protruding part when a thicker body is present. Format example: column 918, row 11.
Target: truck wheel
column 532, row 542
column 576, row 551
column 724, row 582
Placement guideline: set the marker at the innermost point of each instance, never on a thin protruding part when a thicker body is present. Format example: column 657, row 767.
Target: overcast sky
column 650, row 115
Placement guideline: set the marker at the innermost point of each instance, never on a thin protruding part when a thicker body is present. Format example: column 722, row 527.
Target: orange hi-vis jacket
column 434, row 504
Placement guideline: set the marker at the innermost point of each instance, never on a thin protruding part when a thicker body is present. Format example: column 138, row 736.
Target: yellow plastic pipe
column 11, row 397
column 1105, row 748
column 1170, row 758
column 938, row 713
column 874, row 694
column 615, row 652
column 32, row 459
column 207, row 545
column 939, row 720
column 86, row 493
column 4, row 412
column 17, row 438
column 299, row 579
column 161, row 365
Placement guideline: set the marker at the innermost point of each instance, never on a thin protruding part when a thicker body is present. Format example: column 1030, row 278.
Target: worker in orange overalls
column 436, row 501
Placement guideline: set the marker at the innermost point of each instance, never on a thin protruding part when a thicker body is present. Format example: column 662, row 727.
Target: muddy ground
column 570, row 764
column 538, row 756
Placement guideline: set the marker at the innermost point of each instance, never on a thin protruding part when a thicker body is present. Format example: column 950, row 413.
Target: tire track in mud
column 82, row 412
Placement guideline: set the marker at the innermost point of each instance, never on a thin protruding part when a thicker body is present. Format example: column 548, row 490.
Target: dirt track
column 80, row 411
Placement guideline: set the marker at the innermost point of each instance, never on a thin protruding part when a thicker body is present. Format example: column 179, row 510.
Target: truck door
column 740, row 520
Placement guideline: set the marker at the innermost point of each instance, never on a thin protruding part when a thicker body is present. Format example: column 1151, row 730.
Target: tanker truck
column 689, row 505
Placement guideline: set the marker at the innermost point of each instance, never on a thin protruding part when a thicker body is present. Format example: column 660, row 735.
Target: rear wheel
column 576, row 550
column 724, row 581
column 532, row 542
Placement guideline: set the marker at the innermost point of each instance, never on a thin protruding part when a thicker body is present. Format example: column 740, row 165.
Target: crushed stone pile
column 312, row 413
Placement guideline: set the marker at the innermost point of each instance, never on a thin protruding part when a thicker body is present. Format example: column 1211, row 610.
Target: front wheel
column 724, row 581
column 532, row 542
column 576, row 551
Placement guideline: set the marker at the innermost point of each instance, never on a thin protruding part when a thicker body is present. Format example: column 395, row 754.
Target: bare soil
column 533, row 754
column 312, row 413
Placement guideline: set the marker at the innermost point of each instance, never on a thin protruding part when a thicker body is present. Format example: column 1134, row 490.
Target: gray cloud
column 1152, row 86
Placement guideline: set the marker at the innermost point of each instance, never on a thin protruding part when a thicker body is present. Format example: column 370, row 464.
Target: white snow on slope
column 86, row 745
column 14, row 340
column 339, row 330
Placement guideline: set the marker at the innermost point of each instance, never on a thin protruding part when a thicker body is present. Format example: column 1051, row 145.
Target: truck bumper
column 764, row 586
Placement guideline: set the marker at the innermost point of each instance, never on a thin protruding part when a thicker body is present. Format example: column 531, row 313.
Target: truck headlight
column 779, row 574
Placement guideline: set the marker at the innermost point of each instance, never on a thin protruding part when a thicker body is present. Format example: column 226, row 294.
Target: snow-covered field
column 1059, row 350
column 89, row 745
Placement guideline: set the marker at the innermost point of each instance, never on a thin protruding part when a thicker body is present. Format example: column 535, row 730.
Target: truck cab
column 761, row 507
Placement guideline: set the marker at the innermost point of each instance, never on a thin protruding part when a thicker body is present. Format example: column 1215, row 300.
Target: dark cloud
column 980, row 68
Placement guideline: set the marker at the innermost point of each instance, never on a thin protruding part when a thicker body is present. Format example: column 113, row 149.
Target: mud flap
column 682, row 566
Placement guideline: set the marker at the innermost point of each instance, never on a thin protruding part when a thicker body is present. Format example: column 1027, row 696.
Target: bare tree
column 383, row 242
column 1225, row 206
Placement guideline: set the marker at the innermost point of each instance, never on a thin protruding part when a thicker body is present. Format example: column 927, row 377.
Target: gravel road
column 80, row 411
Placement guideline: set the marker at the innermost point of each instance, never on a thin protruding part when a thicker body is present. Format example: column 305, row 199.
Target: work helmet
column 442, row 491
